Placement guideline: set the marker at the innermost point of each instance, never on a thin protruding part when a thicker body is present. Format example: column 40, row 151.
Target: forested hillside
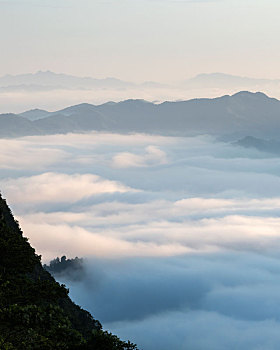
column 35, row 310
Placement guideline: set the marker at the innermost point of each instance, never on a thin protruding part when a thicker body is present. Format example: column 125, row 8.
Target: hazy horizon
column 53, row 91
column 141, row 81
column 141, row 40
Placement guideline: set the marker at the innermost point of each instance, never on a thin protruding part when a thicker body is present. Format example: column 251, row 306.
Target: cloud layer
column 181, row 235
column 220, row 301
column 61, row 188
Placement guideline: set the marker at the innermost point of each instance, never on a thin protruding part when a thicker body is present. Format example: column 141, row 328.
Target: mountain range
column 221, row 80
column 227, row 117
column 48, row 81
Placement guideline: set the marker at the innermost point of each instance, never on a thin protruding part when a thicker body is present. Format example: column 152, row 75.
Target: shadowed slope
column 35, row 310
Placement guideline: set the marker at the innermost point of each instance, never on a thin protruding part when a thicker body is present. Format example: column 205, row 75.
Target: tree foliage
column 72, row 269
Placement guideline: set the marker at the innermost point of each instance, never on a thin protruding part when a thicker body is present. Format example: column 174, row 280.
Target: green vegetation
column 35, row 310
column 73, row 269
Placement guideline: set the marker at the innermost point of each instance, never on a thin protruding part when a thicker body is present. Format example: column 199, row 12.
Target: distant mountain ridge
column 47, row 80
column 222, row 80
column 35, row 114
column 235, row 116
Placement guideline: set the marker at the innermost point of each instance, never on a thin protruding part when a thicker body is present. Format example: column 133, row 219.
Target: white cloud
column 21, row 154
column 153, row 157
column 95, row 139
column 61, row 188
column 108, row 236
column 123, row 213
column 57, row 240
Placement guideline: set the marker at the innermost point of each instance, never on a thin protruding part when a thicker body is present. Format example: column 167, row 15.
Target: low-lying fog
column 181, row 235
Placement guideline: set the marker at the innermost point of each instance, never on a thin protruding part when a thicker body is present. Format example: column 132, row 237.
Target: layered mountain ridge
column 230, row 117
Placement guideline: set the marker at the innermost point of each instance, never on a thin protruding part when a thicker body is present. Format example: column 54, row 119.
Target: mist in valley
column 179, row 235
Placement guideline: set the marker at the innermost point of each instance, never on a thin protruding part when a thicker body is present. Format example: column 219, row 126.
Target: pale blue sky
column 138, row 40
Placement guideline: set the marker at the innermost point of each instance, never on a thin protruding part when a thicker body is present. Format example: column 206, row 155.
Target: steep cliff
column 35, row 310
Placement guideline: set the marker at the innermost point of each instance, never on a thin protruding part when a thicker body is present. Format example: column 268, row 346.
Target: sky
column 140, row 40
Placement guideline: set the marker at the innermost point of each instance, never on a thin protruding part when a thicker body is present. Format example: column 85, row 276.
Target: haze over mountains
column 53, row 91
column 47, row 80
column 221, row 80
column 227, row 117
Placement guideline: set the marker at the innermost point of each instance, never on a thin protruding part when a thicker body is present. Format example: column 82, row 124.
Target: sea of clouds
column 181, row 235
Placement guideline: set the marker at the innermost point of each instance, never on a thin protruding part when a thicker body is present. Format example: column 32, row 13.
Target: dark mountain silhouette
column 230, row 117
column 36, row 311
column 12, row 125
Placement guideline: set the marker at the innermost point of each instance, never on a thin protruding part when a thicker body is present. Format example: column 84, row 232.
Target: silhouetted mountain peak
column 35, row 114
column 135, row 101
column 81, row 108
column 246, row 94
